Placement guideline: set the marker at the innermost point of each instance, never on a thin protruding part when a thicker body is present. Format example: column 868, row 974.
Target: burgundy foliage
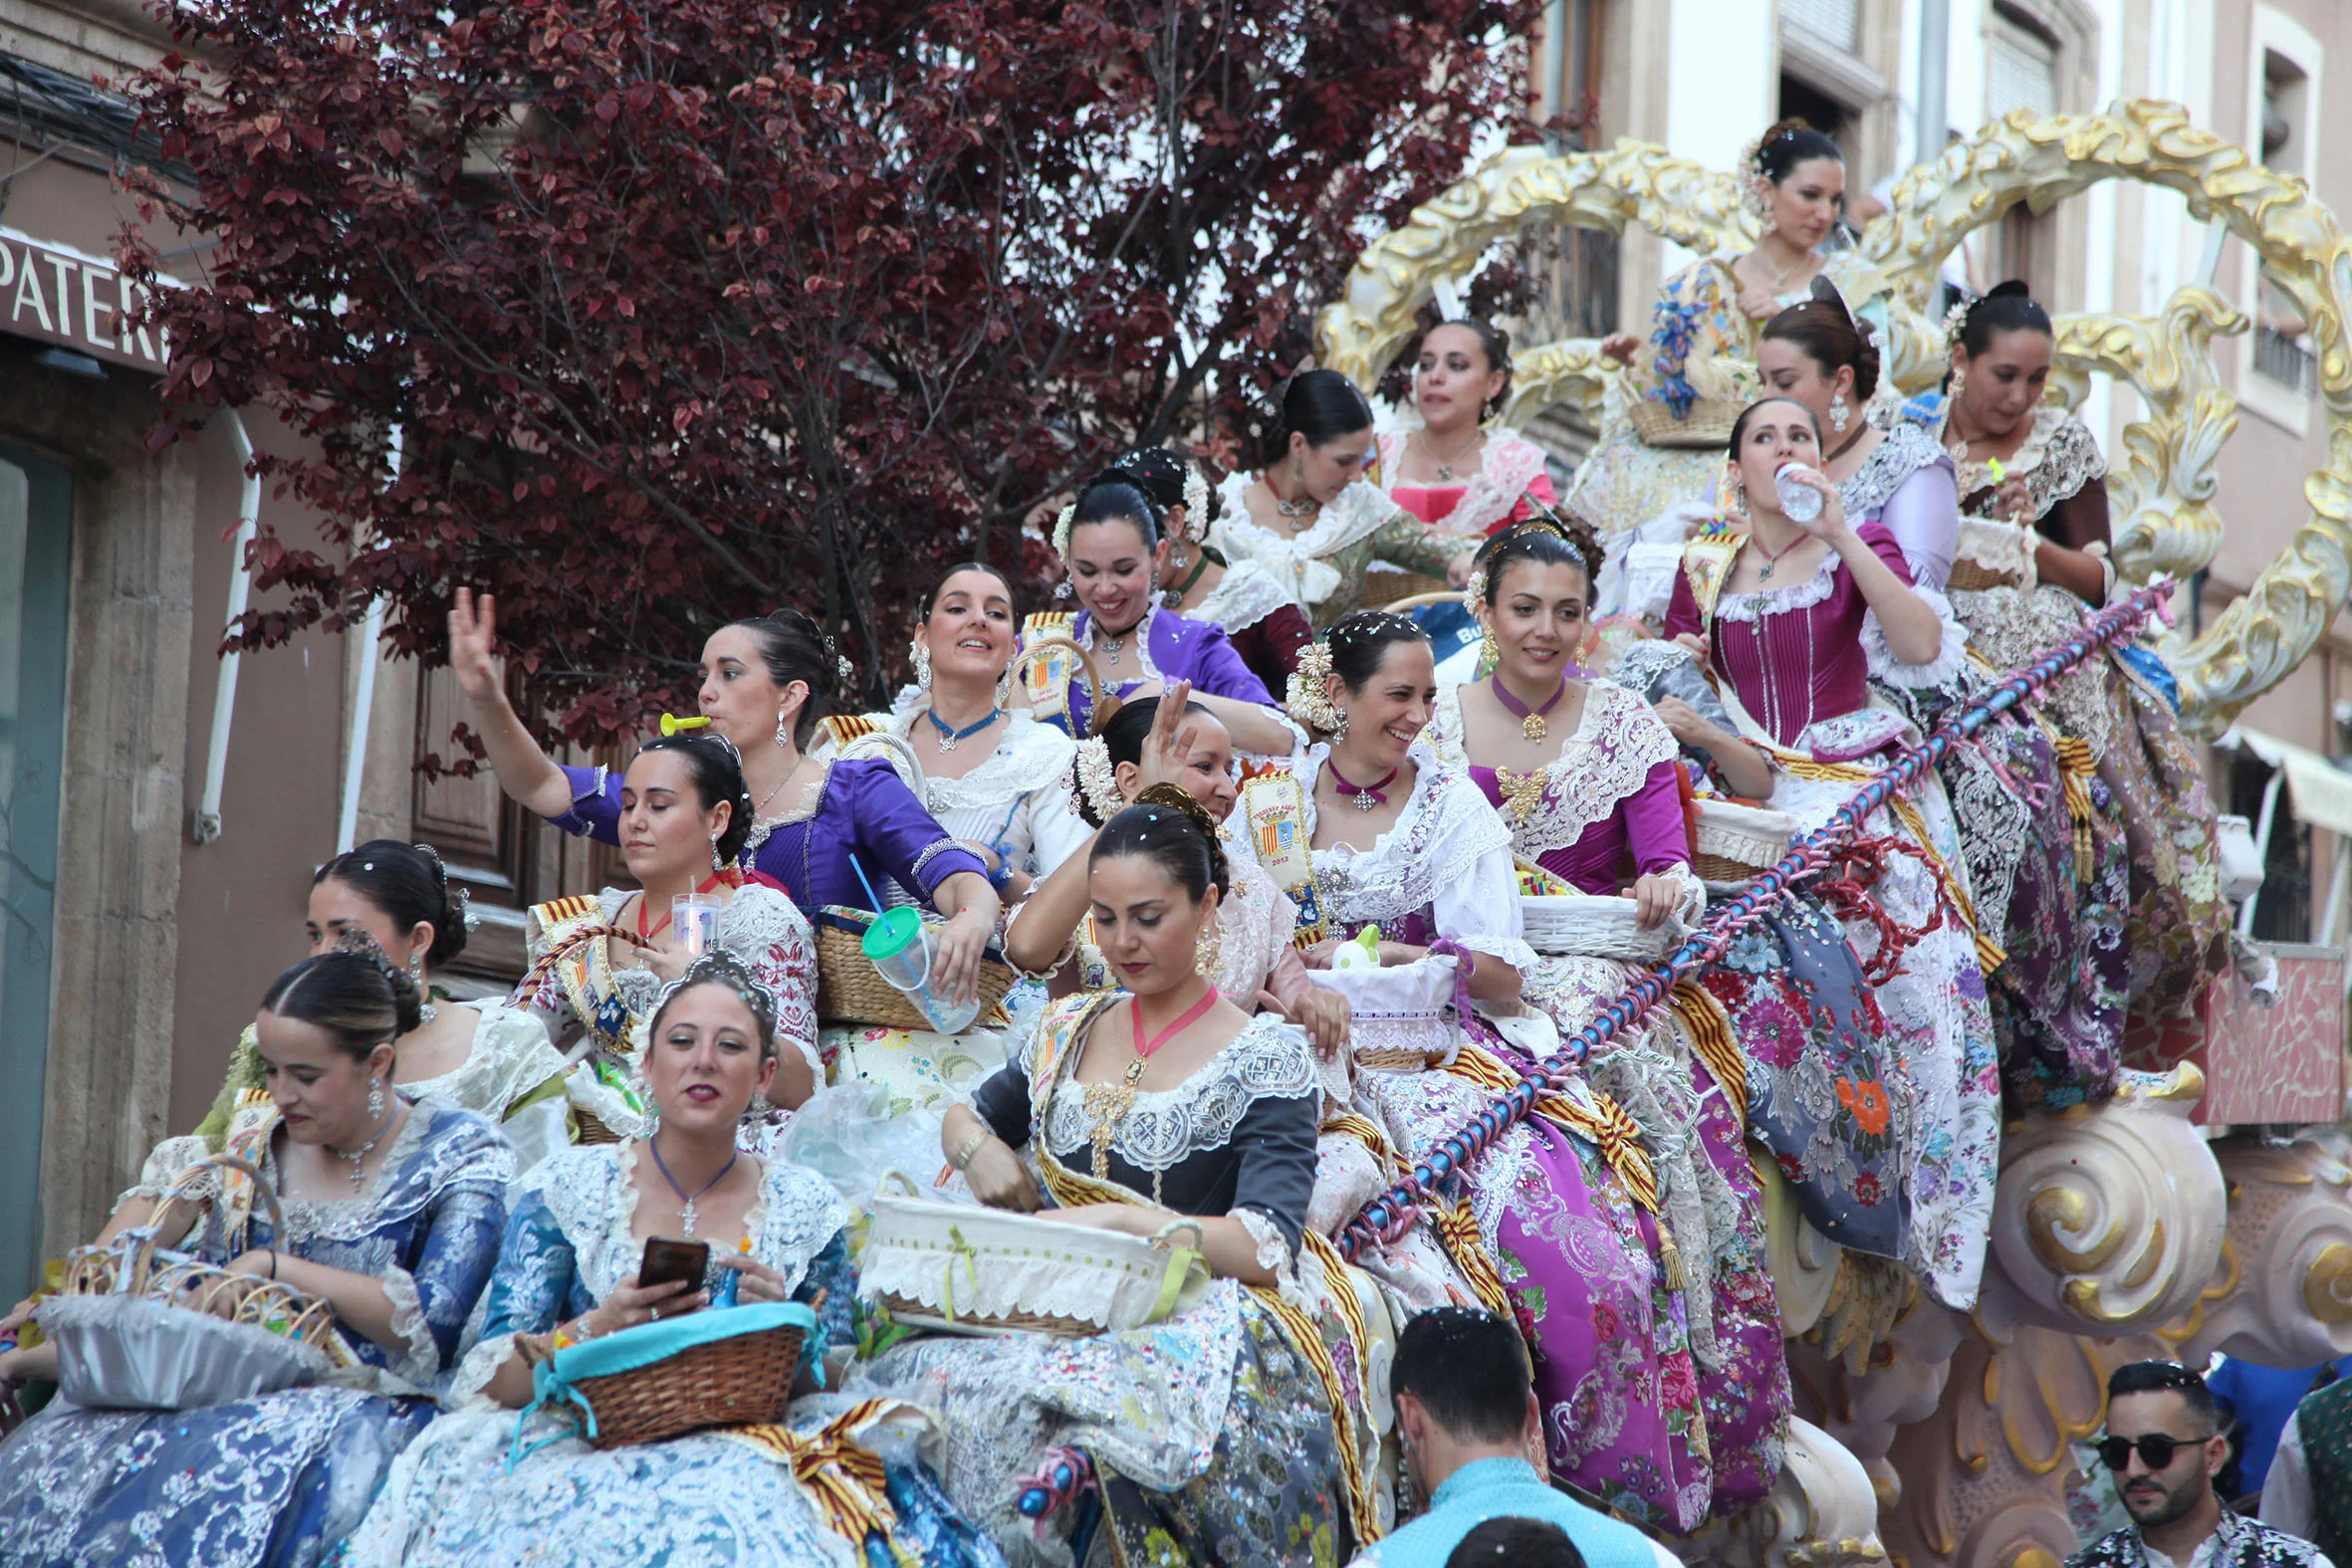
column 684, row 308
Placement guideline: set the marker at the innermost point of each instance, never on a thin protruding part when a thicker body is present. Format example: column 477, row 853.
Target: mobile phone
column 666, row 1260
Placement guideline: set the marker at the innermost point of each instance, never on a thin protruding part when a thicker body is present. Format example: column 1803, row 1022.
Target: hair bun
column 407, row 998
column 1180, row 800
column 2010, row 289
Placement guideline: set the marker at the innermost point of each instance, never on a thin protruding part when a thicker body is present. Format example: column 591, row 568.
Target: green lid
column 892, row 933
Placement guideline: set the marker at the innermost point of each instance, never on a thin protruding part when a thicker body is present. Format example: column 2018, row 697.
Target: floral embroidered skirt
column 277, row 1481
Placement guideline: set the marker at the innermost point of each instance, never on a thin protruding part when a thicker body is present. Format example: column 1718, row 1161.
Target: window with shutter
column 2024, row 71
column 1835, row 22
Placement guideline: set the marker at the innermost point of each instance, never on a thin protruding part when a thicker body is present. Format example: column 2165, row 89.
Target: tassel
column 2074, row 761
column 1670, row 1258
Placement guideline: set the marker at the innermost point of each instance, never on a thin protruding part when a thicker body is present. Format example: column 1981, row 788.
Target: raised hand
column 473, row 646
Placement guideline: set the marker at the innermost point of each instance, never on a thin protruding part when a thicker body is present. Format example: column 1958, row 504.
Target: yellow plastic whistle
column 672, row 724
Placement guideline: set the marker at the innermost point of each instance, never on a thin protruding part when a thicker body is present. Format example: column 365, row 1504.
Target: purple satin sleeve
column 1210, row 661
column 1653, row 815
column 595, row 805
column 891, row 824
column 1924, row 516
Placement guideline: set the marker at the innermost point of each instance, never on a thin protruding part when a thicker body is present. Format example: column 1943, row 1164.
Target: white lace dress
column 1017, row 804
column 1322, row 569
column 708, row 1497
column 759, row 925
column 510, row 1074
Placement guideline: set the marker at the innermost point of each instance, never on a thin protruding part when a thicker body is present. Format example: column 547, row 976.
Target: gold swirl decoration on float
column 2164, row 468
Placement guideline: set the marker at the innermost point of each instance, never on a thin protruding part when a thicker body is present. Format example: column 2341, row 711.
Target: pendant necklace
column 761, row 826
column 1111, row 646
column 1365, row 795
column 1771, row 557
column 687, row 1214
column 1444, row 470
column 355, row 1158
column 1110, row 1103
column 948, row 737
column 1531, row 720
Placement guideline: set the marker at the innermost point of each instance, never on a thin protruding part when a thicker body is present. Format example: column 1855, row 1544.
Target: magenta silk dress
column 1607, row 808
column 1799, row 657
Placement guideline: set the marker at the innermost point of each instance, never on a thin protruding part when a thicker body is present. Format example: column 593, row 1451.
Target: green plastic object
column 892, row 933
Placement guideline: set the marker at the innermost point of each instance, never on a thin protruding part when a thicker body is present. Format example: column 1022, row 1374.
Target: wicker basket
column 972, row 1271
column 1991, row 555
column 740, row 1374
column 1735, row 843
column 593, row 1130
column 1709, row 423
column 1581, row 925
column 849, row 989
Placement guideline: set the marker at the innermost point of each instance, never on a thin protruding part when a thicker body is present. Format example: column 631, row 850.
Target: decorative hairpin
column 1308, row 698
column 1097, row 780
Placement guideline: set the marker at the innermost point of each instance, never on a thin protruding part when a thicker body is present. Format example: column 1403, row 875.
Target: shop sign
column 57, row 295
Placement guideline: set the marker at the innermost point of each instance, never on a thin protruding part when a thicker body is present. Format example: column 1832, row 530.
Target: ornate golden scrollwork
column 2165, row 465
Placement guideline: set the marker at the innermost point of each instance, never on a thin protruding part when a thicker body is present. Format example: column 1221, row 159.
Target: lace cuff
column 165, row 1163
column 1691, row 903
column 1274, row 1248
column 1511, row 950
column 1951, row 661
column 420, row 1364
column 1069, row 947
column 469, row 1383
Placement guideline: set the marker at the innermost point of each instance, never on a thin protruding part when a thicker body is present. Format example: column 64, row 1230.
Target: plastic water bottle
column 1798, row 502
column 903, row 947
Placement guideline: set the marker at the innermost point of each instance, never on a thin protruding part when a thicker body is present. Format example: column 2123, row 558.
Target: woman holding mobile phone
column 598, row 965
column 570, row 1270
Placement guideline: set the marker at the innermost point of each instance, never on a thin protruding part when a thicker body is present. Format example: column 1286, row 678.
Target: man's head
column 1463, row 1393
column 1516, row 1543
column 2164, row 1441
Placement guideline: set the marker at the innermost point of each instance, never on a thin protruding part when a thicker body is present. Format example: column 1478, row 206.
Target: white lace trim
column 1273, row 1248
column 420, row 1363
column 1952, row 658
column 359, row 1217
column 1354, row 515
column 759, row 926
column 1446, row 823
column 164, row 1164
column 1030, row 756
column 1507, row 467
column 1906, row 450
column 1136, row 637
column 2056, row 459
column 469, row 1383
column 1242, row 597
column 1587, row 781
column 509, row 1057
column 1267, row 1060
column 1255, row 922
column 1755, row 606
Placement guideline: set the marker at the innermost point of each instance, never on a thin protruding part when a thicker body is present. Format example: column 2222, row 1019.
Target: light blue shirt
column 1509, row 1488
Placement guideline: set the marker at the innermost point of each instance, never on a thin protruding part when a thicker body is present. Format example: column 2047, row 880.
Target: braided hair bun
column 1168, row 825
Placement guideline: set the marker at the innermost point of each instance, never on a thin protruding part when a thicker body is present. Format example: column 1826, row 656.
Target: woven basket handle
column 902, row 1178
column 1087, row 674
column 229, row 1162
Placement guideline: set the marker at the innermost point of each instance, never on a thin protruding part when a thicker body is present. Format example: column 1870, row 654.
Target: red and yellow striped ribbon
column 843, row 1479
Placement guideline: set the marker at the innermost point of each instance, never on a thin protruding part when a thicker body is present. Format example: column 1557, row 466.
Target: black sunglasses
column 2156, row 1450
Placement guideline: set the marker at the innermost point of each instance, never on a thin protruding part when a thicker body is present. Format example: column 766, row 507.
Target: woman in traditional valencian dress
column 1793, row 618
column 1453, row 473
column 1113, row 543
column 1793, row 182
column 598, row 965
column 1586, row 777
column 815, row 824
column 1237, row 1429
column 2033, row 488
column 2057, row 919
column 1312, row 518
column 1266, row 629
column 482, row 1057
column 484, row 1486
column 1565, row 1204
column 392, row 1214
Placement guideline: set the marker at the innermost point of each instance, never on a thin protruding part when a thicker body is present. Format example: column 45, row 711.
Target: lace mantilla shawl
column 589, row 1193
column 1446, row 823
column 1906, row 450
column 2057, row 458
column 1242, row 597
column 1605, row 761
column 1267, row 1060
column 1298, row 563
column 1508, row 466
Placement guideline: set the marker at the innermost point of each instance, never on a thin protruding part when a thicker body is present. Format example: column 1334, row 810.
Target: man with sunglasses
column 2164, row 1443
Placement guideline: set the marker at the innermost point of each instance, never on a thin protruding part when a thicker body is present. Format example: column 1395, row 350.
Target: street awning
column 2318, row 791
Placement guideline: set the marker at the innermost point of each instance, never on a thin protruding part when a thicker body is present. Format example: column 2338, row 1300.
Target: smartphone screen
column 666, row 1260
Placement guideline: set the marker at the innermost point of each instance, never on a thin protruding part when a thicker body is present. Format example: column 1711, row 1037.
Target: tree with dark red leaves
column 670, row 313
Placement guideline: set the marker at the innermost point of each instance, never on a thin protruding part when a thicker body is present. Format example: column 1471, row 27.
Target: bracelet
column 273, row 1262
column 962, row 1158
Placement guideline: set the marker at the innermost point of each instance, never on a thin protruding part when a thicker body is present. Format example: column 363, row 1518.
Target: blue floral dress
column 280, row 1480
column 722, row 1497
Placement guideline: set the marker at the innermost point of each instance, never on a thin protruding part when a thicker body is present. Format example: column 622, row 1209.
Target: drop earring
column 1740, row 496
column 922, row 656
column 1062, row 590
column 717, row 864
column 376, row 1099
column 1208, row 949
column 1837, row 413
column 1340, row 734
column 1490, row 652
column 1959, row 381
column 783, row 729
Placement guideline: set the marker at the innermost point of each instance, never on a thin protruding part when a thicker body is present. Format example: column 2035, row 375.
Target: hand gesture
column 2014, row 501
column 1656, row 897
column 963, row 942
column 1689, row 726
column 1324, row 1015
column 1457, row 569
column 473, row 647
column 1167, row 750
column 1620, row 346
column 1695, row 643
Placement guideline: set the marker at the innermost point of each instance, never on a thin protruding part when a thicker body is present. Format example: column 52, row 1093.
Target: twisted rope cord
column 1386, row 1218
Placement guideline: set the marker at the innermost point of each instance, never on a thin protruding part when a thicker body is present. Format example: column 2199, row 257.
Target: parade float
column 2208, row 1205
